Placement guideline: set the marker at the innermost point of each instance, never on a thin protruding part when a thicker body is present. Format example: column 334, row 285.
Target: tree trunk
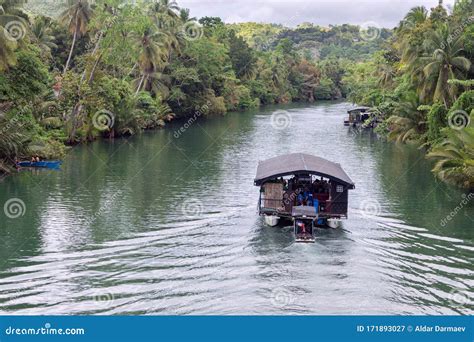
column 93, row 53
column 91, row 76
column 75, row 112
column 72, row 46
column 131, row 71
column 140, row 84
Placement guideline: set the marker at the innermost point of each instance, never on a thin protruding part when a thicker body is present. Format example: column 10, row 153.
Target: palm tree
column 417, row 15
column 42, row 33
column 168, row 7
column 386, row 74
column 77, row 18
column 409, row 123
column 7, row 51
column 184, row 15
column 455, row 156
column 445, row 64
column 12, row 144
column 152, row 57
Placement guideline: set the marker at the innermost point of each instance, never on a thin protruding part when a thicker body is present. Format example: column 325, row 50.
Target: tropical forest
column 76, row 71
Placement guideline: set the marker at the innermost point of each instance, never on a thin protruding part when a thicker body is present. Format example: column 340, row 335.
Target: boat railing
column 271, row 203
column 285, row 206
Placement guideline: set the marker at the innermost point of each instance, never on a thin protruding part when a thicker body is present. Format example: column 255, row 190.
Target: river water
column 166, row 223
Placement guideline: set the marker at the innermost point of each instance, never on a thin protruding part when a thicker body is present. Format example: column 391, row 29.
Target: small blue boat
column 53, row 164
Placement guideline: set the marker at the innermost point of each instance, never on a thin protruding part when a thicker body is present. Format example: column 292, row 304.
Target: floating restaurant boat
column 309, row 191
column 357, row 116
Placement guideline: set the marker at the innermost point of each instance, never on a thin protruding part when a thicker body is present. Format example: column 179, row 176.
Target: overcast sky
column 384, row 13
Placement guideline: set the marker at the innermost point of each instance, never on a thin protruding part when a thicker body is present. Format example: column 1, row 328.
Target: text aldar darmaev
column 439, row 328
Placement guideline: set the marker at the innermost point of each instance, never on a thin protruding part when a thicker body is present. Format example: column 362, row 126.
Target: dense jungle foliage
column 421, row 84
column 78, row 70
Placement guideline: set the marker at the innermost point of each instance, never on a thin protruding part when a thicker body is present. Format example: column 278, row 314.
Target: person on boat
column 326, row 187
column 300, row 198
column 316, row 185
column 301, row 228
column 309, row 200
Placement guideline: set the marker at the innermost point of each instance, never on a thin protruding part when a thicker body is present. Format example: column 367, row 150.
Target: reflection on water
column 164, row 225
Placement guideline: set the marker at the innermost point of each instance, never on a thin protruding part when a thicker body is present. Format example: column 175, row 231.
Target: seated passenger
column 310, row 199
column 300, row 199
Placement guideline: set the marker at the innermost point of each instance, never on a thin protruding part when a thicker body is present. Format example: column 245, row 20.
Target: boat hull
column 41, row 164
column 271, row 220
column 333, row 223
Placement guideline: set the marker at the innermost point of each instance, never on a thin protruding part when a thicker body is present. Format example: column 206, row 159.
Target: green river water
column 163, row 223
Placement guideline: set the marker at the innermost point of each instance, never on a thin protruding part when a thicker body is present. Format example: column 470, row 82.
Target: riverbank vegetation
column 421, row 85
column 77, row 70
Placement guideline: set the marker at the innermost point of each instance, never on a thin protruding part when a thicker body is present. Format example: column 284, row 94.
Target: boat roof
column 359, row 109
column 300, row 163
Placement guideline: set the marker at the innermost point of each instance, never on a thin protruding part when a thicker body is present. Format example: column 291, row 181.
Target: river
column 166, row 223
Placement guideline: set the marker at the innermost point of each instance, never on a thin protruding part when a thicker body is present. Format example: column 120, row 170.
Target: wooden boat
column 357, row 116
column 309, row 190
column 52, row 164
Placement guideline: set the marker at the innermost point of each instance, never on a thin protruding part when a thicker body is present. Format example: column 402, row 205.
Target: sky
column 379, row 13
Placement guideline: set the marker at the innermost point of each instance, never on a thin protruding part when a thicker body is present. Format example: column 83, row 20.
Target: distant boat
column 52, row 164
column 362, row 117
